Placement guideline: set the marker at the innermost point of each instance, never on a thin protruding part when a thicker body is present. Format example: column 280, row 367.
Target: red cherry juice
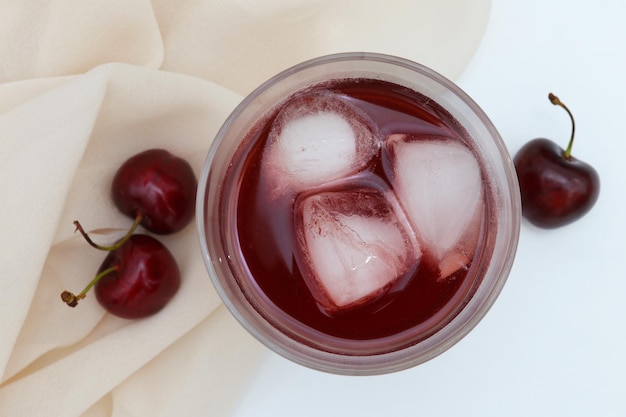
column 267, row 239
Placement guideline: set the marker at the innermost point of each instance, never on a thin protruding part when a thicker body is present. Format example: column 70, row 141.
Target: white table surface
column 554, row 344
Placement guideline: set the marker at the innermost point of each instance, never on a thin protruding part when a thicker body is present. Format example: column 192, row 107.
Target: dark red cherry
column 159, row 187
column 135, row 280
column 556, row 188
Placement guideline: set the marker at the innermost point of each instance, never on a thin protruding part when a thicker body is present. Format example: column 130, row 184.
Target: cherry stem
column 117, row 244
column 72, row 300
column 555, row 100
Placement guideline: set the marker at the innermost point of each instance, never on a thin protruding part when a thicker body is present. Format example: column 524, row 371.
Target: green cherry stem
column 555, row 100
column 117, row 244
column 72, row 300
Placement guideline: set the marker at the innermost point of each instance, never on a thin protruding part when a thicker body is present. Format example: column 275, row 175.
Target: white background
column 554, row 344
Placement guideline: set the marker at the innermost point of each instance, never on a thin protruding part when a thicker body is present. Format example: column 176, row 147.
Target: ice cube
column 355, row 246
column 438, row 182
column 318, row 138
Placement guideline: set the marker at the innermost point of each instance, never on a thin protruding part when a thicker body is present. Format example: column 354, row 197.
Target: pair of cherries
column 139, row 275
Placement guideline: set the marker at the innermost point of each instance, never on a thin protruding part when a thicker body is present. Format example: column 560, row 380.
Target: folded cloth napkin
column 85, row 85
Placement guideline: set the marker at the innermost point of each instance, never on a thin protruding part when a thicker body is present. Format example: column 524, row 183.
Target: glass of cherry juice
column 358, row 213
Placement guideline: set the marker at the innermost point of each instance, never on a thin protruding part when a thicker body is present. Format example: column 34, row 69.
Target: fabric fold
column 37, row 165
column 70, row 37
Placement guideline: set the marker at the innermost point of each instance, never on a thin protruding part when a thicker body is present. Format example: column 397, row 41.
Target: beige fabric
column 83, row 86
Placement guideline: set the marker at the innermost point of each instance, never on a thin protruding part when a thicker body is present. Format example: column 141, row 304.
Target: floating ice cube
column 438, row 182
column 356, row 245
column 317, row 138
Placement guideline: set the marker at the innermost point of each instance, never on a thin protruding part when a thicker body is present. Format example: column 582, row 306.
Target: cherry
column 135, row 280
column 556, row 188
column 157, row 187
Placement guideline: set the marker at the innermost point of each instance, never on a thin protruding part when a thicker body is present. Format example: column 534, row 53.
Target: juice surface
column 421, row 304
